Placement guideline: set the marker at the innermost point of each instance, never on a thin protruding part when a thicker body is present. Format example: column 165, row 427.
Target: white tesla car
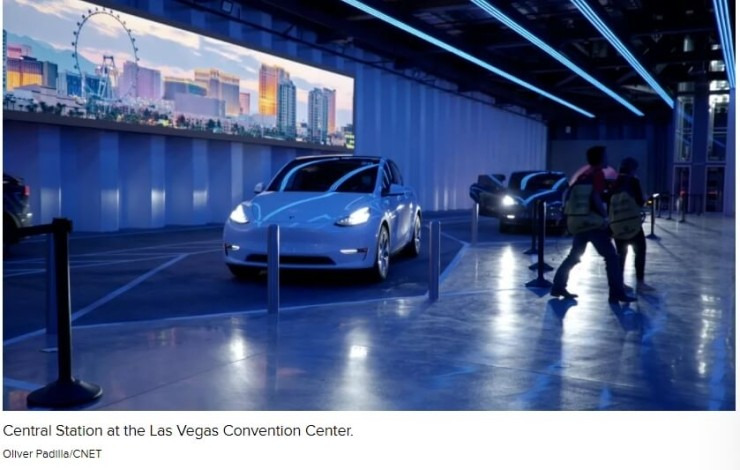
column 334, row 212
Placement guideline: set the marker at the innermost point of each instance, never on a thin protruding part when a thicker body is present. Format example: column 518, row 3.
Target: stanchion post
column 273, row 269
column 533, row 245
column 652, row 235
column 670, row 207
column 474, row 227
column 541, row 281
column 51, row 287
column 66, row 391
column 541, row 210
column 434, row 254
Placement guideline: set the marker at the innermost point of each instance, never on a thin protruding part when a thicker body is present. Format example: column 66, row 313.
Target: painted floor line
column 154, row 231
column 263, row 311
column 22, row 272
column 253, row 312
column 94, row 264
column 20, row 384
column 216, row 241
column 82, row 312
column 453, row 264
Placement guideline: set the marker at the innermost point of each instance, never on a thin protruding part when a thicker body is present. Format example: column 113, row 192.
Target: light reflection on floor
column 488, row 343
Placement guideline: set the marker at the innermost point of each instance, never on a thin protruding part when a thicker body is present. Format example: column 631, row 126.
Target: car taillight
column 26, row 190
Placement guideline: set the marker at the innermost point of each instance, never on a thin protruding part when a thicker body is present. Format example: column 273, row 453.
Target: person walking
column 586, row 218
column 625, row 219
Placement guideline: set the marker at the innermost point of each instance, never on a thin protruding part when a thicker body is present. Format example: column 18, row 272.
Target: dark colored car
column 517, row 202
column 16, row 209
column 487, row 193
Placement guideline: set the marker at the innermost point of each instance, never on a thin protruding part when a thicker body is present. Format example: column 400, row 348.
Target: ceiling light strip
column 464, row 55
column 721, row 13
column 499, row 15
column 594, row 19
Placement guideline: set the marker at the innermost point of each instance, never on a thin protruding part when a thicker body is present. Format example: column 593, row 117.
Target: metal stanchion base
column 539, row 282
column 545, row 267
column 652, row 236
column 64, row 394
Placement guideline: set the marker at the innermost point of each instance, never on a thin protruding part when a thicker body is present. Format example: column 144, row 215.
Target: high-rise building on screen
column 222, row 86
column 173, row 85
column 140, row 82
column 49, row 72
column 318, row 114
column 286, row 103
column 331, row 109
column 22, row 72
column 18, row 51
column 270, row 78
column 5, row 59
column 244, row 103
column 70, row 84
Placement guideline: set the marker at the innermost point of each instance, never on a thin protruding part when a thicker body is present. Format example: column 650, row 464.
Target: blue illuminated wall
column 106, row 180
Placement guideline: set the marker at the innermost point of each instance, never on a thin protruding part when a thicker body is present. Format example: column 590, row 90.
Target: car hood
column 527, row 197
column 300, row 207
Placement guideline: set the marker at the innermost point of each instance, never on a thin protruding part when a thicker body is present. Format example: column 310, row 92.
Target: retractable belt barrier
column 474, row 225
column 67, row 391
column 273, row 269
column 541, row 207
column 434, row 260
column 655, row 201
column 533, row 246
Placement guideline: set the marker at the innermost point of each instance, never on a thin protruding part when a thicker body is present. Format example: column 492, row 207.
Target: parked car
column 334, row 212
column 525, row 188
column 16, row 208
column 486, row 192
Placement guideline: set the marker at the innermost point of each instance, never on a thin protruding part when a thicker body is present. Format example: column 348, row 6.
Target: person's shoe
column 613, row 299
column 628, row 288
column 642, row 287
column 562, row 293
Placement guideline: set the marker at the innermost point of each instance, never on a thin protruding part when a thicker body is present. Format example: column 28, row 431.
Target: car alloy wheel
column 382, row 254
column 414, row 246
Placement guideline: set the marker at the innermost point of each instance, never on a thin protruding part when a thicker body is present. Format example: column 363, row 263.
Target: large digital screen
column 75, row 59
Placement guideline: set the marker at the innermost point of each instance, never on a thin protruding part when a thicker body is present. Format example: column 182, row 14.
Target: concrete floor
column 488, row 343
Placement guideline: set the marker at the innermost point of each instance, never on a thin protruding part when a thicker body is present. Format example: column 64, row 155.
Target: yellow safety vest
column 625, row 218
column 580, row 217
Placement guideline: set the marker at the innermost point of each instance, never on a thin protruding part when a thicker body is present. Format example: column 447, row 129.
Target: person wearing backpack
column 586, row 218
column 625, row 219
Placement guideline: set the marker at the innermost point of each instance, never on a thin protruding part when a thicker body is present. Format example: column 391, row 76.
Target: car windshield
column 542, row 182
column 341, row 175
column 515, row 180
column 533, row 180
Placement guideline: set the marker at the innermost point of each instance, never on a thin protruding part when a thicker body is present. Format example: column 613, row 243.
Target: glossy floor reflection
column 488, row 343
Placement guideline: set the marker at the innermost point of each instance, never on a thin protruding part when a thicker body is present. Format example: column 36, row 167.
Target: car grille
column 293, row 259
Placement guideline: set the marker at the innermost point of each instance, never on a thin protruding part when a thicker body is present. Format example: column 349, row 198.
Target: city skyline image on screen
column 75, row 59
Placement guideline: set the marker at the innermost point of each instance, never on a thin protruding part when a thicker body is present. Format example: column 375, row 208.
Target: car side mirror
column 396, row 190
column 259, row 187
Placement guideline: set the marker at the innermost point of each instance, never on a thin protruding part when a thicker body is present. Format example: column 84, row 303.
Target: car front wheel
column 414, row 246
column 382, row 255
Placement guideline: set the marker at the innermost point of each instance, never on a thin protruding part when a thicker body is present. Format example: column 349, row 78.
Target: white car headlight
column 239, row 215
column 360, row 216
column 508, row 201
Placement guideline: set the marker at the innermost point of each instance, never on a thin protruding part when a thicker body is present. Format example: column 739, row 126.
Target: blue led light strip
column 464, row 55
column 593, row 18
column 499, row 15
column 721, row 12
